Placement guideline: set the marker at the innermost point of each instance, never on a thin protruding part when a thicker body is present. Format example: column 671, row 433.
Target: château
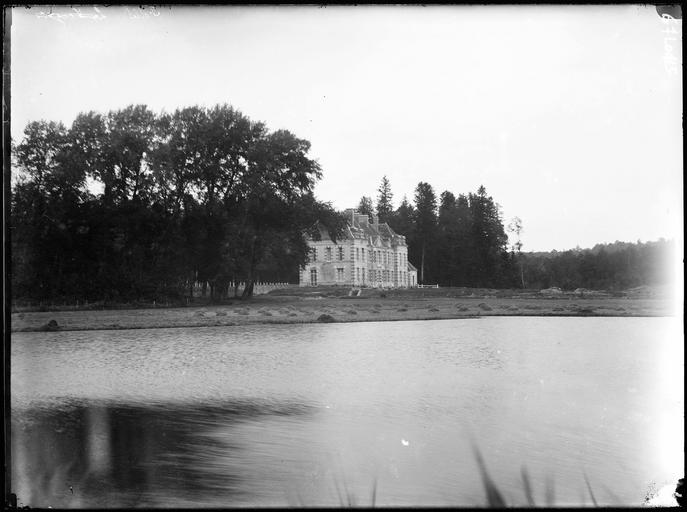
column 369, row 254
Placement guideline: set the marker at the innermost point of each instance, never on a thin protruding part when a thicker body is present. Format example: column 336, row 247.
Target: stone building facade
column 369, row 254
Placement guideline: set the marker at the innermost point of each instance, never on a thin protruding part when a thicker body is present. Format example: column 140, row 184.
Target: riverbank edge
column 284, row 321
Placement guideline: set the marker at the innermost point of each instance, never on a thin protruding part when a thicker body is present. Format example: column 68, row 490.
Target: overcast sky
column 569, row 116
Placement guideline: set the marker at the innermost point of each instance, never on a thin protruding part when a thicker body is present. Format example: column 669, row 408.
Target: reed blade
column 494, row 497
column 589, row 488
column 527, row 486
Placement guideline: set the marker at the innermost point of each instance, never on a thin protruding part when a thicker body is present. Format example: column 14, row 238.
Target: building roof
column 360, row 227
column 411, row 267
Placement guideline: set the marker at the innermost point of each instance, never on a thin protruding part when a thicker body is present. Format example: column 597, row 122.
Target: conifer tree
column 384, row 206
column 425, row 226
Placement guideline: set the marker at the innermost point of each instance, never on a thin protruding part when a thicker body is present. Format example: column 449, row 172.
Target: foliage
column 365, row 207
column 425, row 220
column 198, row 195
column 134, row 205
column 463, row 242
column 615, row 266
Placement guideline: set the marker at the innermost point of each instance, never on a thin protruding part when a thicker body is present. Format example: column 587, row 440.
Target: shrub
column 50, row 326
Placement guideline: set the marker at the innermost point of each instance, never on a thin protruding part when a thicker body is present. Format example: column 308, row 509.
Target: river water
column 390, row 413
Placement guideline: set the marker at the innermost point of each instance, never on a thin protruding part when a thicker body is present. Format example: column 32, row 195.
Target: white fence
column 428, row 286
column 258, row 288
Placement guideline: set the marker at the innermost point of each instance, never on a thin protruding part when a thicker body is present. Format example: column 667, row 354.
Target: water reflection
column 122, row 455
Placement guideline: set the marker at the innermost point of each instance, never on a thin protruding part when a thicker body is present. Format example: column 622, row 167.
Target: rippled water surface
column 323, row 414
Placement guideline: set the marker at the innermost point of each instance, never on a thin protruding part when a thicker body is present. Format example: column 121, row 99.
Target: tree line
column 452, row 240
column 462, row 241
column 136, row 205
column 615, row 266
column 198, row 195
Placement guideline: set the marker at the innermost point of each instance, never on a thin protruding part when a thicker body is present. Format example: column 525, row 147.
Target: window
column 339, row 275
column 357, row 274
column 328, row 254
column 313, row 277
column 313, row 254
column 340, row 253
column 357, row 253
column 363, row 249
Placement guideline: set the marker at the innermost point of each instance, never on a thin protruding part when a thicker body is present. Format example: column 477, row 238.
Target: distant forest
column 614, row 266
column 132, row 205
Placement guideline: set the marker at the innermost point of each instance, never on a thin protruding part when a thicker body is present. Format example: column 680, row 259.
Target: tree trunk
column 248, row 290
column 422, row 265
column 522, row 275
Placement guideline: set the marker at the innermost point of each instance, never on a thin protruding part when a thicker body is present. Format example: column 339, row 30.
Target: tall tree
column 464, row 248
column 402, row 220
column 489, row 239
column 446, row 243
column 278, row 183
column 46, row 208
column 425, row 225
column 384, row 201
column 515, row 227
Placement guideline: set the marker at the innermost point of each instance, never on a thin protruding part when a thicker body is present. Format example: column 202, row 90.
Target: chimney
column 375, row 220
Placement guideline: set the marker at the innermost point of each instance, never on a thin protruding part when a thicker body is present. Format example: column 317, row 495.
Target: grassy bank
column 334, row 304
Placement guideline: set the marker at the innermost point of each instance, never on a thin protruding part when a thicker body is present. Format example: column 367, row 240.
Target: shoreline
column 288, row 310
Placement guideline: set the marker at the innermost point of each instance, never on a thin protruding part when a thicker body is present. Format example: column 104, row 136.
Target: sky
column 570, row 116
